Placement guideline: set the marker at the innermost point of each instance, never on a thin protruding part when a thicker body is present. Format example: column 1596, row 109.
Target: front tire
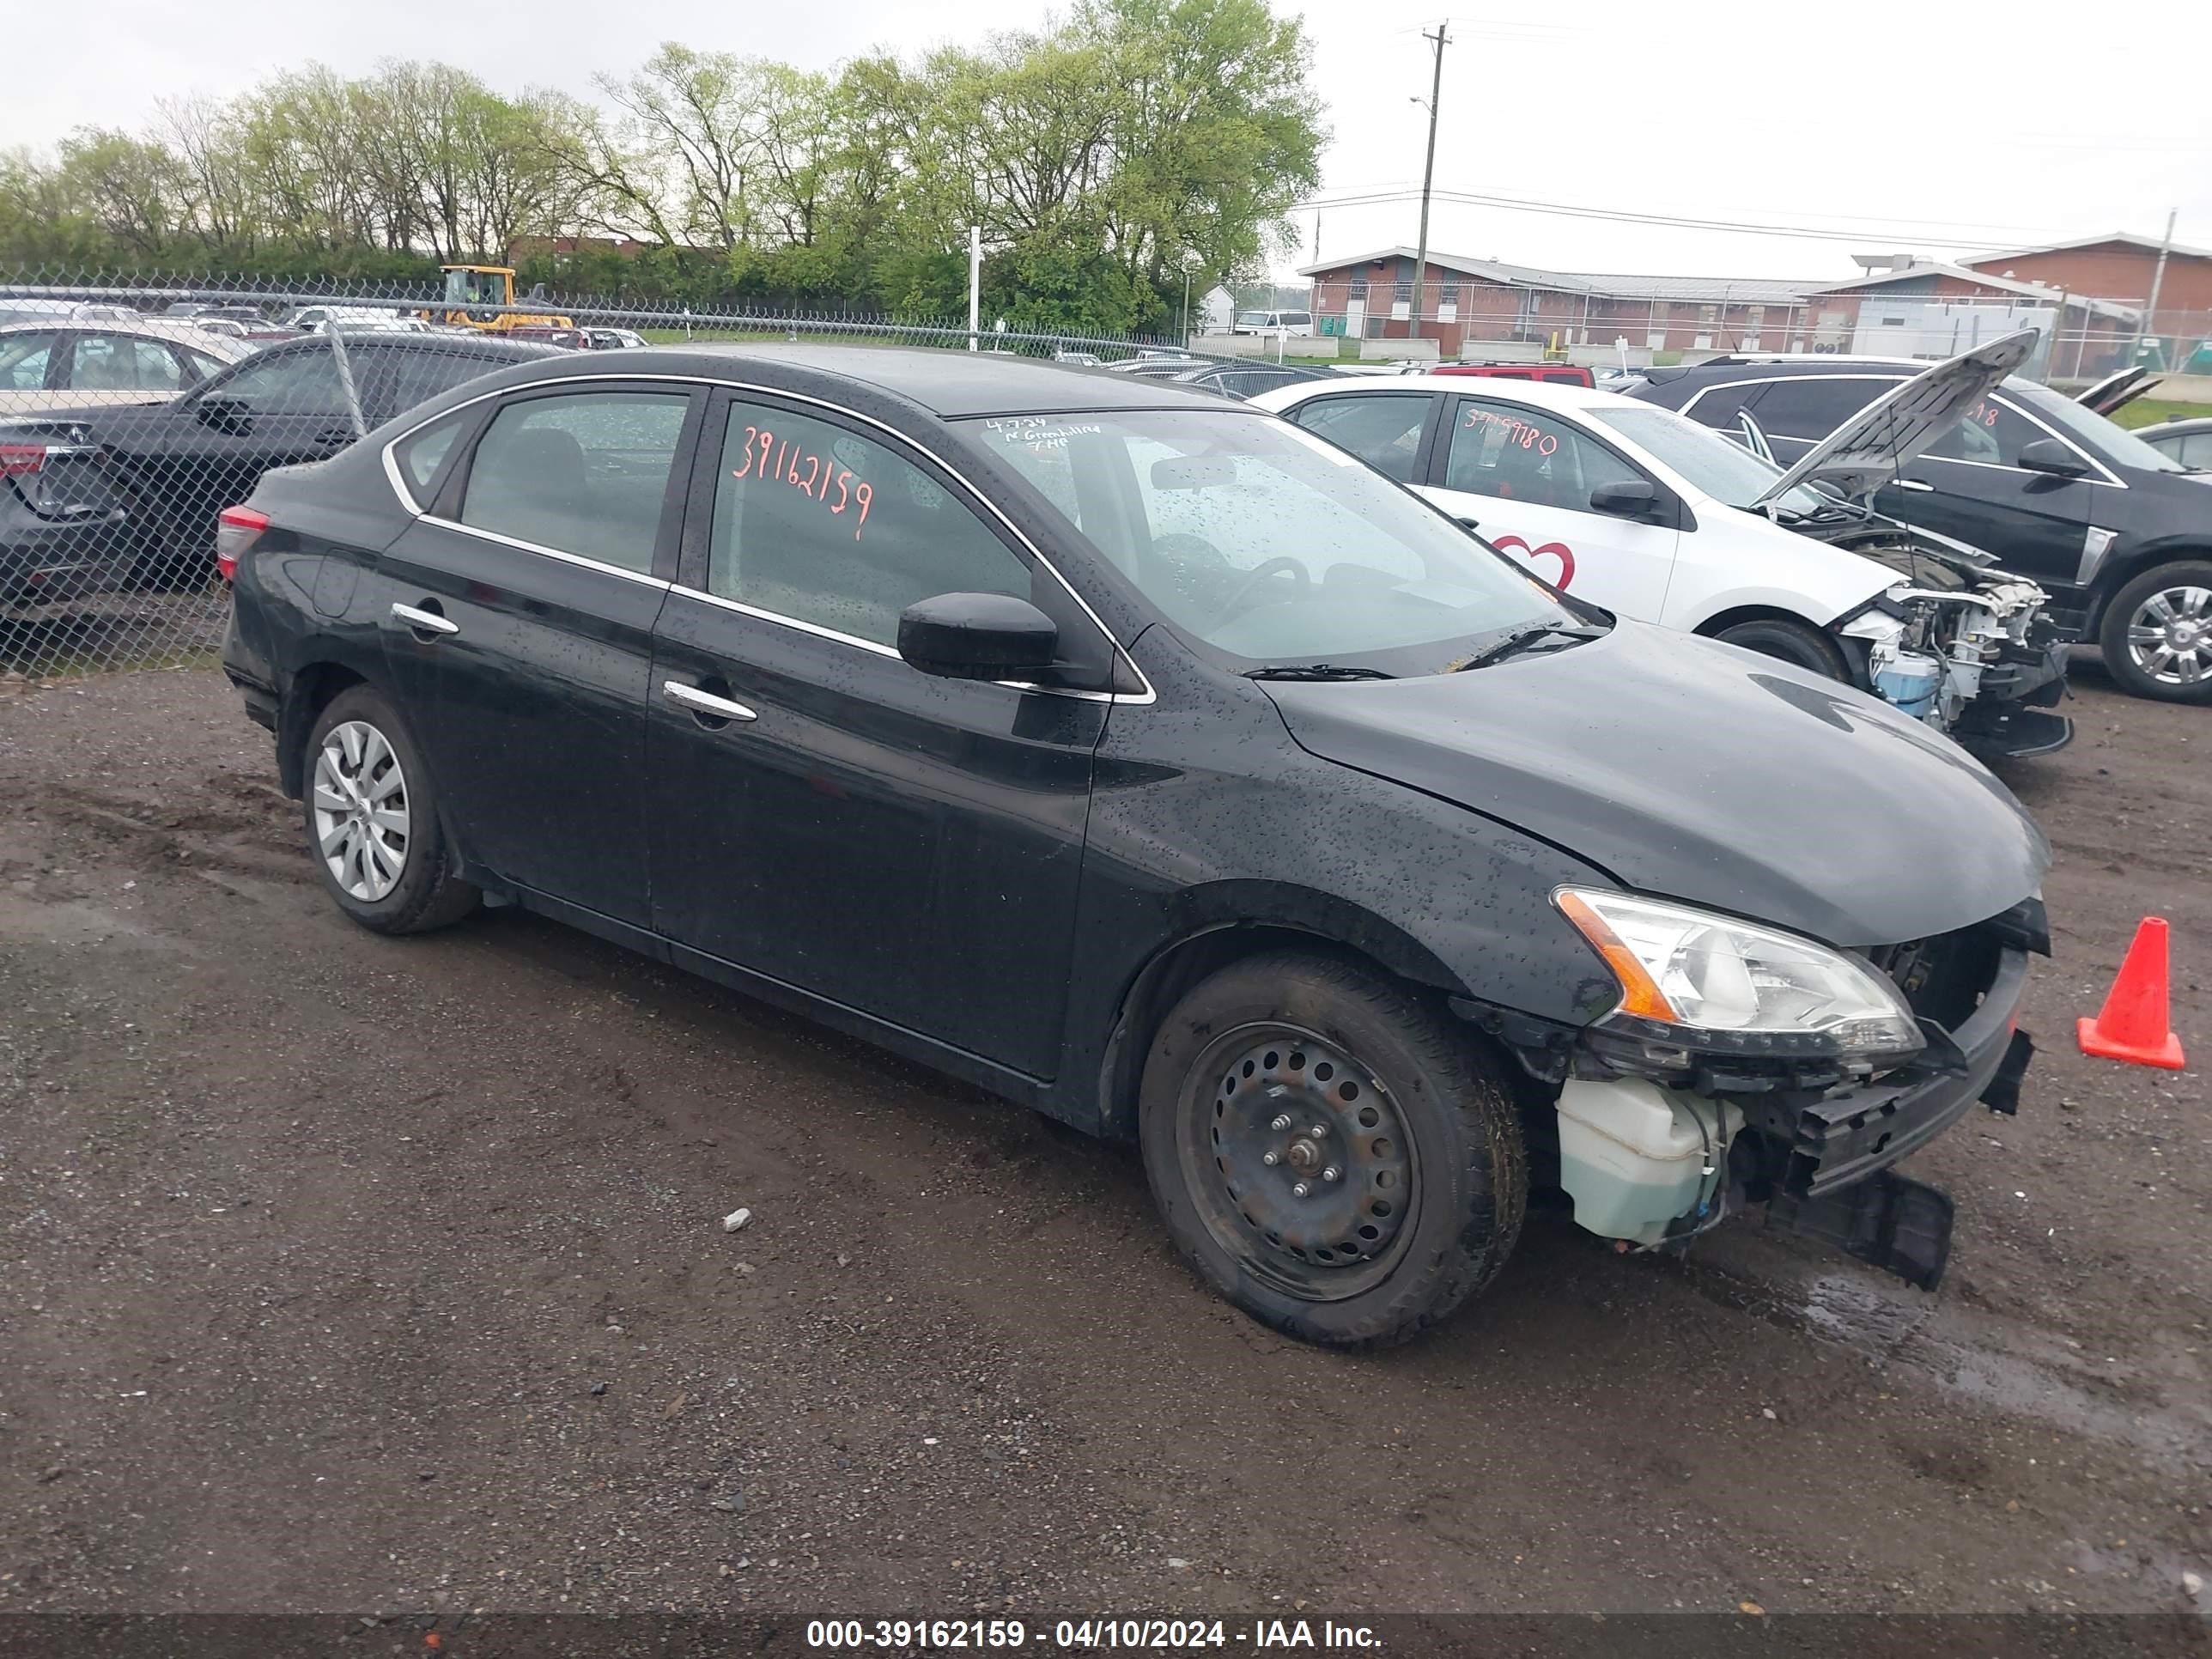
column 2156, row 634
column 1332, row 1154
column 373, row 829
column 1789, row 642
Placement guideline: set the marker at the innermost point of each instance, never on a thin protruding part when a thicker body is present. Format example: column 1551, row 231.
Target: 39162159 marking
column 900, row 1634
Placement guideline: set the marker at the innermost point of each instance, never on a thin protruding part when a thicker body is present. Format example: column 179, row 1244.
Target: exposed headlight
column 1711, row 981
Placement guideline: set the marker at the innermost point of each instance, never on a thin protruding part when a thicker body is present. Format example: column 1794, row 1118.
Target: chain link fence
column 135, row 408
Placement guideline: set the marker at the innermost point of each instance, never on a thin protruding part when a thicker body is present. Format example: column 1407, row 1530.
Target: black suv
column 2119, row 534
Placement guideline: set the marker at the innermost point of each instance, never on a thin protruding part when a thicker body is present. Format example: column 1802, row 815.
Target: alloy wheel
column 1299, row 1159
column 361, row 811
column 2170, row 636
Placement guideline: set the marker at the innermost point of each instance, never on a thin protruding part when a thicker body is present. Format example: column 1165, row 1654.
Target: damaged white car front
column 1957, row 640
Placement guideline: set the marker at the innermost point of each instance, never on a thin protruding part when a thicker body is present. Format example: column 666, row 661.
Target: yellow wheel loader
column 470, row 289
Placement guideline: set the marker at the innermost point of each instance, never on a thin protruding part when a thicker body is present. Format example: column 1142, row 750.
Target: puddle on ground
column 1971, row 1356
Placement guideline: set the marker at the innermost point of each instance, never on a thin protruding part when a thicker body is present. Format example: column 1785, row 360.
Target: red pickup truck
column 1557, row 373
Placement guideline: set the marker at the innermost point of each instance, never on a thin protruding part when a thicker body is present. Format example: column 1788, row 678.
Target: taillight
column 17, row 459
column 236, row 530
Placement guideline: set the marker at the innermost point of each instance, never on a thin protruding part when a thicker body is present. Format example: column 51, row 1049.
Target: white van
column 1271, row 322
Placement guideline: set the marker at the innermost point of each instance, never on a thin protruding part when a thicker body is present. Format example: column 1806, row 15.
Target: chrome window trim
column 407, row 502
column 2027, row 414
column 578, row 559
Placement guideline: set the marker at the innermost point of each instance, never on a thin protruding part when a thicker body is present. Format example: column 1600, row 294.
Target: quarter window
column 585, row 474
column 421, row 454
column 1529, row 455
column 1382, row 429
column 816, row 523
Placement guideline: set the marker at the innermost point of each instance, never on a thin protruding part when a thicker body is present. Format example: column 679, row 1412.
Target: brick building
column 1466, row 303
column 2117, row 266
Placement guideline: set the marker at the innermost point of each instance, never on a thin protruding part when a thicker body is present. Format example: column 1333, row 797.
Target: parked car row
column 1653, row 516
column 1157, row 763
column 2116, row 529
column 95, row 493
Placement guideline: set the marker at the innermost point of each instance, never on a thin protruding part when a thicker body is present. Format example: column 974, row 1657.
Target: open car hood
column 2115, row 391
column 1866, row 452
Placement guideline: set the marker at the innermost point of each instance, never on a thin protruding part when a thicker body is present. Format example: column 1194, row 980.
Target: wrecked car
column 1653, row 516
column 1149, row 762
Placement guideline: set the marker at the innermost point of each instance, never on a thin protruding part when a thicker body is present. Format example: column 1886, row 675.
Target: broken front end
column 1748, row 1068
column 1957, row 642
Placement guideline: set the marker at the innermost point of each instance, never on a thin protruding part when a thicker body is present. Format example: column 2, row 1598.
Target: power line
column 1624, row 215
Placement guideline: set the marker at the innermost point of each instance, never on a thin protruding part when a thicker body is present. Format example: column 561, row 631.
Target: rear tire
column 2161, row 623
column 1796, row 642
column 1393, row 1121
column 373, row 829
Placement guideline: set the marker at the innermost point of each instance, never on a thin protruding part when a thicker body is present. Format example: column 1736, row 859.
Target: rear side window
column 1382, row 429
column 823, row 525
column 23, row 359
column 123, row 362
column 585, row 474
column 1809, row 408
column 1529, row 455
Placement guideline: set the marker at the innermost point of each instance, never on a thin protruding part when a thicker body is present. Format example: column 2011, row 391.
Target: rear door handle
column 705, row 702
column 424, row 622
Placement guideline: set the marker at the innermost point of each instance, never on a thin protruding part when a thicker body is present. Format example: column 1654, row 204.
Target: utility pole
column 2157, row 282
column 1440, row 39
column 974, row 285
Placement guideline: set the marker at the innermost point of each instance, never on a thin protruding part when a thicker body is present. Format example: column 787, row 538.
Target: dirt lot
column 353, row 1273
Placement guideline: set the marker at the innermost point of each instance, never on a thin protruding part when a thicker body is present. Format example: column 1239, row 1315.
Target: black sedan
column 88, row 496
column 1151, row 762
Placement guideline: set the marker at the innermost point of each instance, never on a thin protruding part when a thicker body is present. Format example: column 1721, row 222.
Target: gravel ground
column 355, row 1273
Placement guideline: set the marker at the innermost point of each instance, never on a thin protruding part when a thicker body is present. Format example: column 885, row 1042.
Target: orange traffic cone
column 2132, row 1026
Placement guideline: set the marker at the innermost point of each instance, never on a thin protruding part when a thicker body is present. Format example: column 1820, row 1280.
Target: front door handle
column 705, row 702
column 1917, row 486
column 424, row 622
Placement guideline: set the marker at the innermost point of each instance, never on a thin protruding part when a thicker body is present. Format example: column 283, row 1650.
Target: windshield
column 1255, row 319
column 1267, row 544
column 473, row 288
column 1723, row 468
column 2100, row 436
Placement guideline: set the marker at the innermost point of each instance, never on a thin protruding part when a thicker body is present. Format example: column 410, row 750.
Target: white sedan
column 78, row 362
column 1652, row 516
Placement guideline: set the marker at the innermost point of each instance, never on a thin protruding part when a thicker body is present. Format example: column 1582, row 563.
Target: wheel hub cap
column 361, row 810
column 2170, row 636
column 1310, row 1164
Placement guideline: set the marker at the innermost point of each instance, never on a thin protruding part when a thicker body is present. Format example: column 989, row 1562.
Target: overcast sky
column 1924, row 125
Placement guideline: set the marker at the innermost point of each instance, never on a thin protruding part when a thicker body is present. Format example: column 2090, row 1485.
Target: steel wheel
column 1301, row 1165
column 360, row 802
column 2170, row 636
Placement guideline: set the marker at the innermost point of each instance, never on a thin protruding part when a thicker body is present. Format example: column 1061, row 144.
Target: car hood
column 1694, row 770
column 1865, row 453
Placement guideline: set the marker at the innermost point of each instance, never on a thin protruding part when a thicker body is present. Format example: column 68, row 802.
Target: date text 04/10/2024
column 1094, row 1634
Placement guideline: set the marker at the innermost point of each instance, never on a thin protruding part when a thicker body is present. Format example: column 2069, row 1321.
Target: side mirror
column 1633, row 498
column 231, row 415
column 2049, row 455
column 977, row 636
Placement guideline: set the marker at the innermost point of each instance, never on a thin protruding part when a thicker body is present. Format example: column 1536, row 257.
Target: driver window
column 1525, row 454
column 1990, row 432
column 1382, row 429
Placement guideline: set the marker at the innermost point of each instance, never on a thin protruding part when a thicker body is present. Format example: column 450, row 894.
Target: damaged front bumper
column 1653, row 1160
column 1983, row 663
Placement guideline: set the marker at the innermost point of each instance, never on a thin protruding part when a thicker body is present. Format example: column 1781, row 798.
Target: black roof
column 1795, row 363
column 948, row 384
